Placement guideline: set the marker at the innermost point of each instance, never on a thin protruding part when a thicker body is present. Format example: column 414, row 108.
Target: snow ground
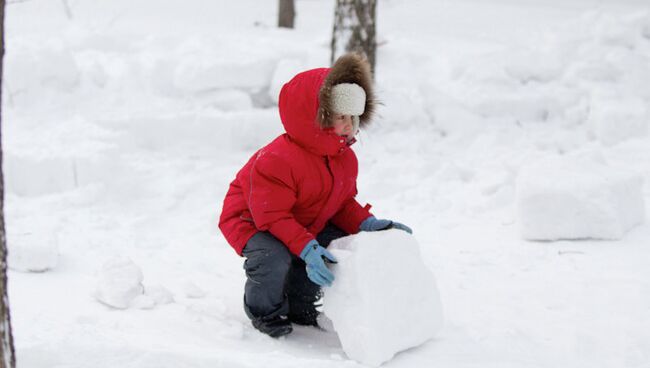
column 124, row 124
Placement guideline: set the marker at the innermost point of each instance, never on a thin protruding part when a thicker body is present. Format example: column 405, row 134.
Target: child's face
column 343, row 125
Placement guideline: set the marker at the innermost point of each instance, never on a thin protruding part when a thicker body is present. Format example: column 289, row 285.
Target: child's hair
column 349, row 68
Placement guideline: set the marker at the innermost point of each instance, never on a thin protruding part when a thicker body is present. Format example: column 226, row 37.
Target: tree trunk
column 287, row 14
column 355, row 29
column 7, row 356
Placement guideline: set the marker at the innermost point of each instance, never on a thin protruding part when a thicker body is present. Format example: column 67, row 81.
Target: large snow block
column 32, row 251
column 384, row 299
column 616, row 120
column 578, row 198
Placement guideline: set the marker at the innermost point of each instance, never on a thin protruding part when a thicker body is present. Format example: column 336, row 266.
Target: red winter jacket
column 305, row 177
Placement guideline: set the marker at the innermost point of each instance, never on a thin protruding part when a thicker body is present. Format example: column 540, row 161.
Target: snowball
column 120, row 283
column 32, row 251
column 577, row 198
column 285, row 70
column 382, row 289
column 617, row 120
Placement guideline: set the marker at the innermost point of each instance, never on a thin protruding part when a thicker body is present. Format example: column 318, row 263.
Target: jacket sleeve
column 272, row 196
column 351, row 214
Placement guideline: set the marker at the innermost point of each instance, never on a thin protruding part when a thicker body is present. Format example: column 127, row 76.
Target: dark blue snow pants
column 277, row 282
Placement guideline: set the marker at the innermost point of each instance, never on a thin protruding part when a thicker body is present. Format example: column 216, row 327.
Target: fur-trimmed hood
column 349, row 68
column 305, row 104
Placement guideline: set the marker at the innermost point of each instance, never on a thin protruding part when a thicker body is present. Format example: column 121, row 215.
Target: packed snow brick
column 617, row 120
column 578, row 198
column 231, row 100
column 33, row 176
column 384, row 299
column 119, row 283
column 32, row 251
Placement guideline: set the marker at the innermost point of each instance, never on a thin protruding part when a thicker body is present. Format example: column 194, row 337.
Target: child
column 296, row 195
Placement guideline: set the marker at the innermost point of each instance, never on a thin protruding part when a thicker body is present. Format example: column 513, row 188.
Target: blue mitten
column 374, row 224
column 315, row 257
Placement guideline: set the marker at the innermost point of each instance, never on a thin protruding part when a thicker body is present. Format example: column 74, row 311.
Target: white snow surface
column 124, row 122
column 382, row 289
column 578, row 198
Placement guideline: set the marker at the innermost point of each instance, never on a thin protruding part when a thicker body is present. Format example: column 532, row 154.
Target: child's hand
column 315, row 257
column 374, row 224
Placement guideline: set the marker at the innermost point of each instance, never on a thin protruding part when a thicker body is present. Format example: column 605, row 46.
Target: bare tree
column 355, row 29
column 287, row 14
column 7, row 355
column 67, row 9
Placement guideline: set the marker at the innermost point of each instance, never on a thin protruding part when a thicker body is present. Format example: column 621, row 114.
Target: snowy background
column 124, row 122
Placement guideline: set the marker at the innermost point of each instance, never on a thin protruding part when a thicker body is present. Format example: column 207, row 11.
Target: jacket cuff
column 349, row 218
column 312, row 244
column 366, row 225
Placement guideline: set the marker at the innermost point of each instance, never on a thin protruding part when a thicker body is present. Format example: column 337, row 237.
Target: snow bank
column 596, row 53
column 209, row 132
column 578, row 198
column 204, row 65
column 32, row 251
column 382, row 289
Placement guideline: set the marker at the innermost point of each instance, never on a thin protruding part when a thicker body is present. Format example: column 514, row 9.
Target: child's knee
column 273, row 263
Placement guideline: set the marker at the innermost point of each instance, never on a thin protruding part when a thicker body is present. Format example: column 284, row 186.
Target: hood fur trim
column 349, row 68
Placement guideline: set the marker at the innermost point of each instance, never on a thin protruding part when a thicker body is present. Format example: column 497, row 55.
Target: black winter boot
column 274, row 325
